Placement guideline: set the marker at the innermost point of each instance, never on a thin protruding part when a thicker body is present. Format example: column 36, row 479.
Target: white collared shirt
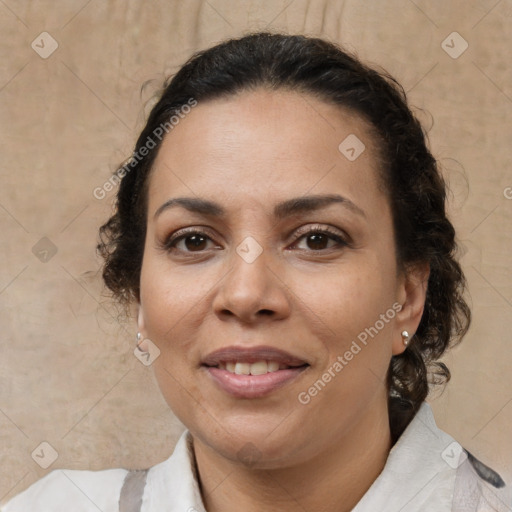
column 426, row 471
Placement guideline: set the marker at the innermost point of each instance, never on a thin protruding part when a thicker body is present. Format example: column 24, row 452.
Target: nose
column 252, row 291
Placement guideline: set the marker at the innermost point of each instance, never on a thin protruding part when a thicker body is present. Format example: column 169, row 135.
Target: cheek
column 350, row 297
column 351, row 312
column 171, row 304
column 170, row 297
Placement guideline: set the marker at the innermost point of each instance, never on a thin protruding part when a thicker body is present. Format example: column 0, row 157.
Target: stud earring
column 138, row 347
column 405, row 337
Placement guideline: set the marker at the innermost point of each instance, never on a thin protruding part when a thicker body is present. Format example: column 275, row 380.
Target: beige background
column 67, row 372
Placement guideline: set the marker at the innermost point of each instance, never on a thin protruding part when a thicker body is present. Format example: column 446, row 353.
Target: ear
column 411, row 294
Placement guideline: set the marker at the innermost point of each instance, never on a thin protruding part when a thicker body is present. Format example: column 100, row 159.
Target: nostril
column 267, row 312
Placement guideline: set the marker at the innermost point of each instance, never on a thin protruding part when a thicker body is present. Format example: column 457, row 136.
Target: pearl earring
column 405, row 337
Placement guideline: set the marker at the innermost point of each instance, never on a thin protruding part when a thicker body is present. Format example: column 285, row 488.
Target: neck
column 335, row 479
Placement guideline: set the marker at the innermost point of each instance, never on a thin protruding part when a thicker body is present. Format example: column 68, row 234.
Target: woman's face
column 232, row 282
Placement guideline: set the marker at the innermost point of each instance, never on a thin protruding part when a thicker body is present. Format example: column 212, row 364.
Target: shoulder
column 470, row 484
column 63, row 490
column 90, row 491
column 440, row 474
column 478, row 487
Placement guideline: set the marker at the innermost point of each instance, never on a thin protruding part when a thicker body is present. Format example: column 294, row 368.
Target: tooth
column 259, row 368
column 242, row 368
column 273, row 366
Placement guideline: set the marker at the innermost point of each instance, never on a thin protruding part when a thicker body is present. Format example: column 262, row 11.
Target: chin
column 254, row 444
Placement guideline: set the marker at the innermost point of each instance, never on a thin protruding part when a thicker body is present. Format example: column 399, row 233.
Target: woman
column 281, row 230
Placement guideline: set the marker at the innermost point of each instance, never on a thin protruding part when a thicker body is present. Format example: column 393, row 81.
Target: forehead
column 262, row 144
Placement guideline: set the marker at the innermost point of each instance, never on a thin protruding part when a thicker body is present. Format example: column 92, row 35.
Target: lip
column 251, row 355
column 252, row 386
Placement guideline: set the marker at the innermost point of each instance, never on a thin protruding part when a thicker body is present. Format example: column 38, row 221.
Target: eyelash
column 168, row 245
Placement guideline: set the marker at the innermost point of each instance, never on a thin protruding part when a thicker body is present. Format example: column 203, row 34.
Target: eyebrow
column 282, row 210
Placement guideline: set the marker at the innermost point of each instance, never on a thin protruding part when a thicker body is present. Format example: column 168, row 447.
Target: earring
column 405, row 337
column 139, row 339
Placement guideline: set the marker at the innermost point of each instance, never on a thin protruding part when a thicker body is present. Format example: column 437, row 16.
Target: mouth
column 252, row 372
column 257, row 368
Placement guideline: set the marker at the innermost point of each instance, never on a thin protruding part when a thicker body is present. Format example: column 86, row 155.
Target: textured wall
column 67, row 373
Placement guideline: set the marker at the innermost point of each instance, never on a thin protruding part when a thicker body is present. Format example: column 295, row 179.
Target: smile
column 250, row 385
column 244, row 372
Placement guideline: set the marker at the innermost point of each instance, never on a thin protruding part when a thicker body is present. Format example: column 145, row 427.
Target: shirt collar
column 172, row 485
column 420, row 470
column 421, row 465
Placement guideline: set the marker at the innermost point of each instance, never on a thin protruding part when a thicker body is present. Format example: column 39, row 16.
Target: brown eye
column 195, row 242
column 189, row 241
column 318, row 239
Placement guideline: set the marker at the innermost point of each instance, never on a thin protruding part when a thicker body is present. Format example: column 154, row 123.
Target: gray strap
column 132, row 491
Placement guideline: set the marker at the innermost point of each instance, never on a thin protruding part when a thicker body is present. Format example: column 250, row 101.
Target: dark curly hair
column 409, row 174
